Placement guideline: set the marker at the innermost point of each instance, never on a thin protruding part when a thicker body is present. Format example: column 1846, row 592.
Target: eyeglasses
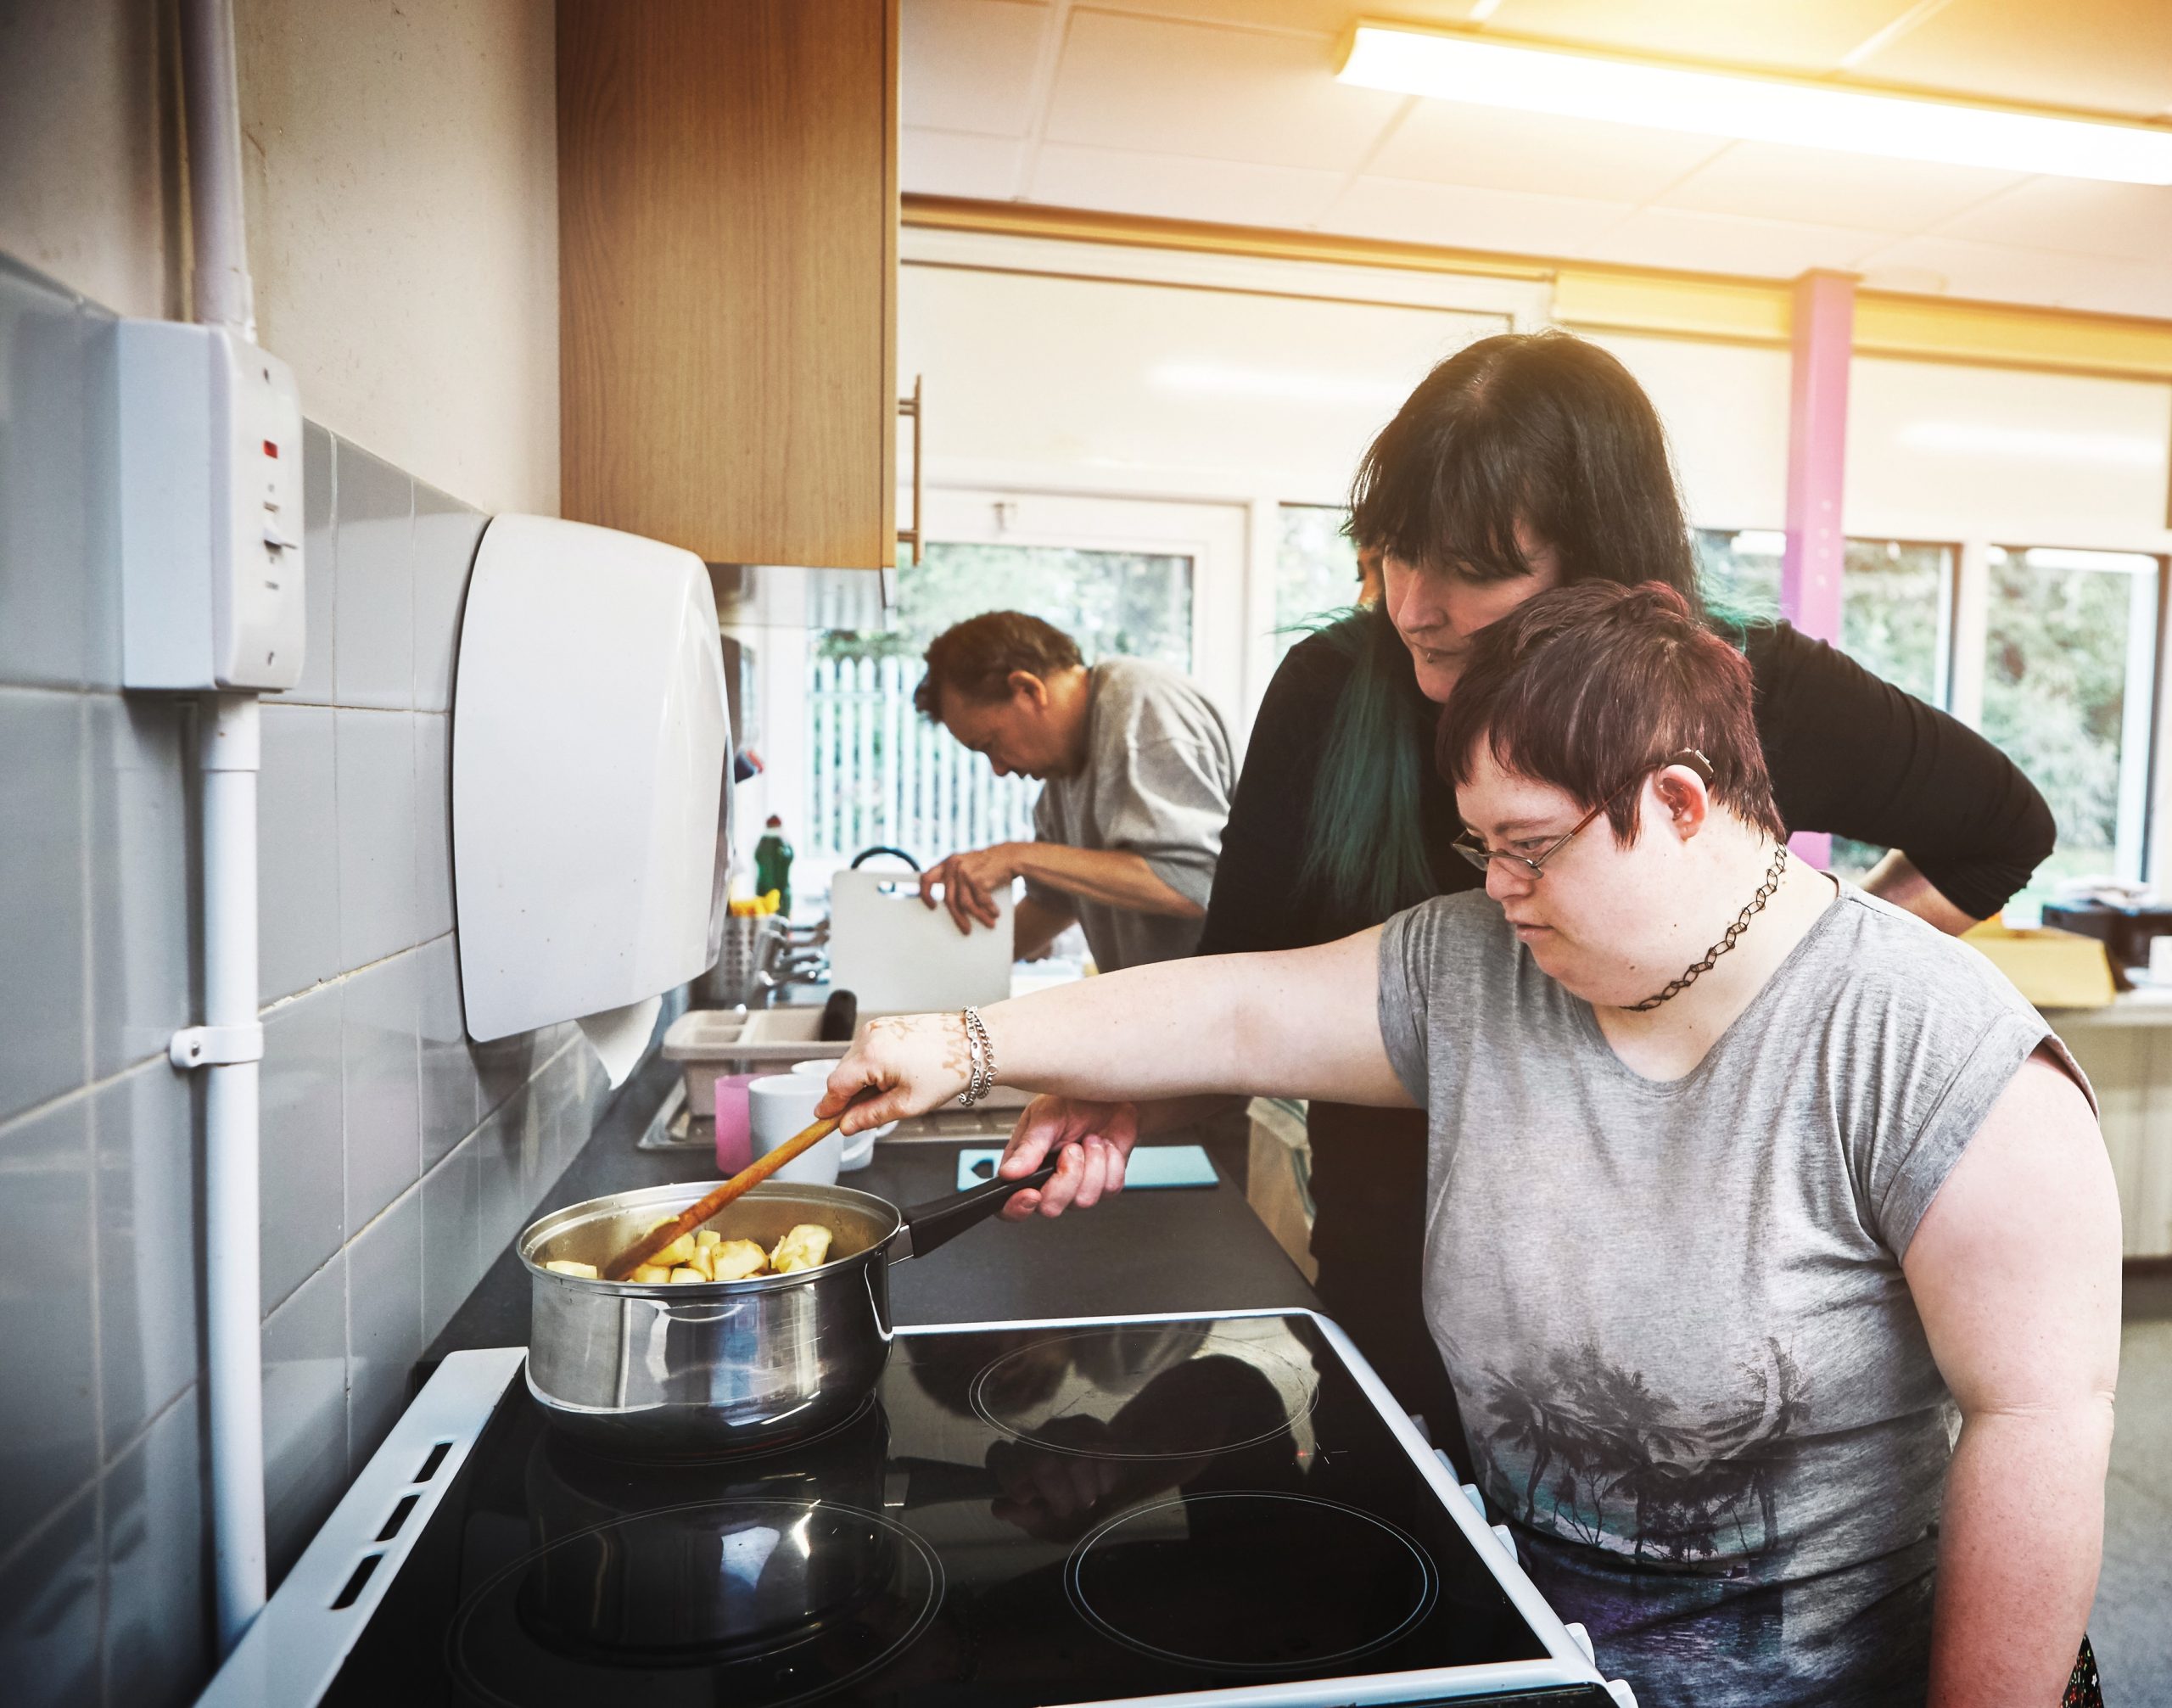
column 1483, row 857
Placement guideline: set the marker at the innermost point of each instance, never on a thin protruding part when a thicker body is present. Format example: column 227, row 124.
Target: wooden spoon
column 702, row 1209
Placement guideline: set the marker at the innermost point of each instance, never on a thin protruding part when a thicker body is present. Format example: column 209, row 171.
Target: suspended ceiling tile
column 947, row 163
column 1457, row 216
column 1168, row 187
column 1992, row 272
column 2133, row 221
column 1821, row 186
column 1211, row 93
column 968, row 65
column 1722, row 243
column 2111, row 56
column 1454, row 142
column 1800, row 35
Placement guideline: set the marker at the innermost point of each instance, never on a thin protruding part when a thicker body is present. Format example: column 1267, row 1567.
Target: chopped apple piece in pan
column 804, row 1248
column 736, row 1259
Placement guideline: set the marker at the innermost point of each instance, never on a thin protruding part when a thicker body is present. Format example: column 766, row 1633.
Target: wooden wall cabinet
column 728, row 266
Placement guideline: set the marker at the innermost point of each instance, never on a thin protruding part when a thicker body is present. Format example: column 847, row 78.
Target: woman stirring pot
column 1521, row 463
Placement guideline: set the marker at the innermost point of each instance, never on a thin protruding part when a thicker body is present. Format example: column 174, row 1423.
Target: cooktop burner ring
column 987, row 1409
column 914, row 1554
column 1405, row 1555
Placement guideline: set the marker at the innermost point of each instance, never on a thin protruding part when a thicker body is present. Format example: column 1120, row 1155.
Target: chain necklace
column 1691, row 975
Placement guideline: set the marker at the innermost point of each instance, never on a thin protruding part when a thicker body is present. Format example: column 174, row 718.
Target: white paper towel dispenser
column 591, row 809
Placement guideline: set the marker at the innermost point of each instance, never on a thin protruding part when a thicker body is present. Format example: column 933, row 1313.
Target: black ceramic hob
column 1058, row 1513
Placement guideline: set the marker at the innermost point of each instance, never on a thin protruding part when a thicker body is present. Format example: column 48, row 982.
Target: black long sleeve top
column 1849, row 753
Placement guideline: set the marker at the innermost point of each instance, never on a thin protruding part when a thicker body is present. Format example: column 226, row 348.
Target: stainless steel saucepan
column 702, row 1369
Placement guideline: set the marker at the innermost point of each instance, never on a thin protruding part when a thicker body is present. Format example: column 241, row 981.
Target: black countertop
column 1177, row 1249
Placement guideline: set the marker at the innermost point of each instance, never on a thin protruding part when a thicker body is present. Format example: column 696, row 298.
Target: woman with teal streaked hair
column 1522, row 462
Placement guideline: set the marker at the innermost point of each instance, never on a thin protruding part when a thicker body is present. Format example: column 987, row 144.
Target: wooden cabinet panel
column 728, row 219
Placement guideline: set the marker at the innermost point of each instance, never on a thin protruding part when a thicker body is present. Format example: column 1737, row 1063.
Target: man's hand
column 1091, row 1140
column 970, row 882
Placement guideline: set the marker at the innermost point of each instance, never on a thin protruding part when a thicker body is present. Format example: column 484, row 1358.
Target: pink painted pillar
column 1824, row 325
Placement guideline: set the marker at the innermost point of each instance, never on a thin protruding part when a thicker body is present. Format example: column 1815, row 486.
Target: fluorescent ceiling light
column 1764, row 109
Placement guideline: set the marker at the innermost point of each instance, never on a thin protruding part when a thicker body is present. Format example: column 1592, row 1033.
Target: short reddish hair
column 1587, row 687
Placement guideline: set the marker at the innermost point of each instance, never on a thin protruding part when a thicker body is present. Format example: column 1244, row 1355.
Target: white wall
column 1726, row 409
column 403, row 201
column 1208, row 390
column 87, row 137
column 401, row 179
column 1151, row 387
column 1940, row 451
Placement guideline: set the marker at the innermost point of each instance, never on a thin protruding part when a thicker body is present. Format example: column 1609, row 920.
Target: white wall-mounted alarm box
column 210, row 500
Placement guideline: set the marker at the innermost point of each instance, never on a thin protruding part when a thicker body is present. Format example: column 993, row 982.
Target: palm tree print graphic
column 1590, row 1451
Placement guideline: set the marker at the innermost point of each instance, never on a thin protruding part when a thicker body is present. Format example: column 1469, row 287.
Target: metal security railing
column 879, row 772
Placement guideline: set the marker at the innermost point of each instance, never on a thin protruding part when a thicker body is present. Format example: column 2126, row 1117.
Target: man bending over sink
column 1741, row 1182
column 1135, row 773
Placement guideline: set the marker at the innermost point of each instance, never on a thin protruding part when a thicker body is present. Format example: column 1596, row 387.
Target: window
column 2069, row 655
column 1895, row 599
column 878, row 773
column 1315, row 570
column 1896, row 611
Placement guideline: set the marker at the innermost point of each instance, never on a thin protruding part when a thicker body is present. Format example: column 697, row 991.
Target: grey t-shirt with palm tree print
column 1692, row 1372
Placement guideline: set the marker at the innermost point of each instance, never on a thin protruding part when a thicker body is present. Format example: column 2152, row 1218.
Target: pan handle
column 925, row 1226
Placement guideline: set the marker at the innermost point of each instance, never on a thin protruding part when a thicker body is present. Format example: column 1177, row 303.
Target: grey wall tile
column 49, row 1612
column 565, row 1126
column 374, row 658
column 508, row 1169
column 451, row 1251
column 384, row 1323
column 379, row 1093
column 141, row 916
column 446, row 535
column 44, row 1037
column 304, row 1414
column 320, row 567
column 503, row 1065
column 301, row 1172
column 297, row 851
column 377, row 835
column 49, row 1399
column 150, row 1205
column 448, row 1072
column 49, row 365
column 432, row 826
column 158, row 1622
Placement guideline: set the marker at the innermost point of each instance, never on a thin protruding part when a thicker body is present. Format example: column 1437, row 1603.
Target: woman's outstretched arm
column 1299, row 1022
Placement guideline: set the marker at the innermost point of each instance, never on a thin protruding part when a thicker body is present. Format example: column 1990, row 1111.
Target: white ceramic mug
column 859, row 1150
column 780, row 1106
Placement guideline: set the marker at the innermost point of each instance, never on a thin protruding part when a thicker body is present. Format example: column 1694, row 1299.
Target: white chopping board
column 900, row 957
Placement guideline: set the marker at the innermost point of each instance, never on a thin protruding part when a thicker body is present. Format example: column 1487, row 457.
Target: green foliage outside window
column 2055, row 684
column 1315, row 570
column 1113, row 603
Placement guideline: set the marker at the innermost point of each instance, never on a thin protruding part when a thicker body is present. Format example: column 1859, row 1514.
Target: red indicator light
column 271, row 450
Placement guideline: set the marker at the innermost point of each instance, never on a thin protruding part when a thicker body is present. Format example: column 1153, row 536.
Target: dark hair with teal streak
column 1542, row 428
column 1365, row 849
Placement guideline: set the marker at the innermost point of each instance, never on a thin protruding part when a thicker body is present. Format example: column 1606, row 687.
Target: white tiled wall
column 398, row 1158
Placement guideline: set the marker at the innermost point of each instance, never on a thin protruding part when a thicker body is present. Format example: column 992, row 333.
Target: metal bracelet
column 983, row 1053
column 976, row 1069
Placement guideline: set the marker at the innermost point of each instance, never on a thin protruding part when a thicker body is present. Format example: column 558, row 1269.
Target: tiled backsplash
column 398, row 1158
